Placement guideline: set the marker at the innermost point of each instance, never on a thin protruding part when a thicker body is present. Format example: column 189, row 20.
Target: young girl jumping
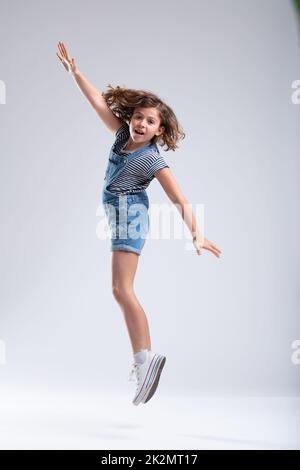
column 140, row 120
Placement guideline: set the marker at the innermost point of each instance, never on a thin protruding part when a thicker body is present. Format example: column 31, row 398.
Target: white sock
column 140, row 356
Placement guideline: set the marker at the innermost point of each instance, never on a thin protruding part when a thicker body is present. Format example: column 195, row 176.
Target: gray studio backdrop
column 226, row 68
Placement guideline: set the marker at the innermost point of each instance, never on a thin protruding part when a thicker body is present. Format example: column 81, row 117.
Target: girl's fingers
column 61, row 50
column 214, row 247
column 59, row 56
column 63, row 62
column 211, row 247
column 65, row 50
column 215, row 252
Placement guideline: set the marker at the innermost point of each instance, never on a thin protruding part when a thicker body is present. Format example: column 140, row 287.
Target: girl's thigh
column 124, row 266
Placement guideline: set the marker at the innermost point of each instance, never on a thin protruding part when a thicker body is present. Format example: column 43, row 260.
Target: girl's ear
column 161, row 130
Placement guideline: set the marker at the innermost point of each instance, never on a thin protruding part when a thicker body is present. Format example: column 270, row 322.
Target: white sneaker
column 147, row 376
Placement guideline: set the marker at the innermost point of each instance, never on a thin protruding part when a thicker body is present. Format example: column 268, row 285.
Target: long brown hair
column 123, row 101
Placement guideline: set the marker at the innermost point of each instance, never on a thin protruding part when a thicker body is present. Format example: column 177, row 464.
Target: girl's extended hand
column 65, row 59
column 200, row 242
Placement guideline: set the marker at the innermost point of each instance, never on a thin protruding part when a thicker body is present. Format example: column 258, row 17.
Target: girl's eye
column 150, row 122
column 137, row 117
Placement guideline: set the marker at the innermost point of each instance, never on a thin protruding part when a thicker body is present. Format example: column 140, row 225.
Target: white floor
column 35, row 419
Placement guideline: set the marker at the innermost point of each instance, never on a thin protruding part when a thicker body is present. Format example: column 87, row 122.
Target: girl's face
column 145, row 124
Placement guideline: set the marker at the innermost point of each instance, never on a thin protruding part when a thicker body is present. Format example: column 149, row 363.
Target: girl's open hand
column 200, row 242
column 68, row 63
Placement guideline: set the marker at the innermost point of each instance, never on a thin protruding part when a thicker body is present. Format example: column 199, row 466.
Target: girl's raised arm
column 92, row 93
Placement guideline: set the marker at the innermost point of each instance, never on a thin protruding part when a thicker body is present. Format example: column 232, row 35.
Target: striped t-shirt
column 138, row 172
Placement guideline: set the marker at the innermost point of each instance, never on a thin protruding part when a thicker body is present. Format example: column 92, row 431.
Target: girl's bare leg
column 124, row 266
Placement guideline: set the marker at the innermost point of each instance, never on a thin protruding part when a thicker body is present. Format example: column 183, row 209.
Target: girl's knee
column 121, row 293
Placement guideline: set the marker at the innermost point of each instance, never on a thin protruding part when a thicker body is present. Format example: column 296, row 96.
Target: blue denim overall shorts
column 127, row 215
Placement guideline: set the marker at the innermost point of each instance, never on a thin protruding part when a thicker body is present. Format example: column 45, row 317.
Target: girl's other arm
column 170, row 186
column 92, row 93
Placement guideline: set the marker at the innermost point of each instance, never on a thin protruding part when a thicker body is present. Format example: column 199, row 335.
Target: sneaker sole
column 152, row 374
column 154, row 385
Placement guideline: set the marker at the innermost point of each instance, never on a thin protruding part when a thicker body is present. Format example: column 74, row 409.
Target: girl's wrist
column 197, row 236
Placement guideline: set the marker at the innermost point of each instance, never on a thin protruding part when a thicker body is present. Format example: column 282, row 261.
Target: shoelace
column 133, row 372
